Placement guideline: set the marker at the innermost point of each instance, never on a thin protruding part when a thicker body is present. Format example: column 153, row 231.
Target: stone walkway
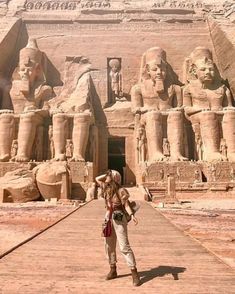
column 69, row 258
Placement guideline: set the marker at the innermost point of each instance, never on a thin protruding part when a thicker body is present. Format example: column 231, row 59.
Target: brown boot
column 113, row 273
column 135, row 277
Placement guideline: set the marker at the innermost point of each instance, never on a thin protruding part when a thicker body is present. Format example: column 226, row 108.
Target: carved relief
column 178, row 4
column 66, row 5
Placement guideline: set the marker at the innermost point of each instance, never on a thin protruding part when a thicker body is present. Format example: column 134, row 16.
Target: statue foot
column 21, row 159
column 77, row 158
column 59, row 157
column 178, row 157
column 5, row 158
column 215, row 156
column 158, row 157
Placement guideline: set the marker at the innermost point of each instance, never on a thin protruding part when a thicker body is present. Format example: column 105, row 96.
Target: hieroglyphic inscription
column 65, row 5
column 183, row 172
column 81, row 172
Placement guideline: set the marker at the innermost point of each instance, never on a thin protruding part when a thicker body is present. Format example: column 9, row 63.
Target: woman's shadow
column 161, row 271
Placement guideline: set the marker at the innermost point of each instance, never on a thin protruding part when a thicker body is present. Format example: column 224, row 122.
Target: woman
column 117, row 205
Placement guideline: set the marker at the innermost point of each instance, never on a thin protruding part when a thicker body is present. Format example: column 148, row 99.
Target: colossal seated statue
column 154, row 98
column 75, row 107
column 208, row 105
column 28, row 93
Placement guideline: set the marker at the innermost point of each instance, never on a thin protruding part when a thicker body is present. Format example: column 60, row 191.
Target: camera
column 118, row 216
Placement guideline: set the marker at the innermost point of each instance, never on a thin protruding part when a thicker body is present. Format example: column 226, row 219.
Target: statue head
column 154, row 65
column 115, row 65
column 30, row 63
column 202, row 65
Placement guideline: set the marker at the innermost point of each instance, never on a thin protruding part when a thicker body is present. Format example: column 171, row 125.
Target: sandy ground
column 20, row 221
column 211, row 222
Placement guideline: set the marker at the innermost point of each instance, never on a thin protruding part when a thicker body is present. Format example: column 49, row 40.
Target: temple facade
column 144, row 88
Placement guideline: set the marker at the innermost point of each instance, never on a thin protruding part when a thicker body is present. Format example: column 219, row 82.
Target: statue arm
column 136, row 98
column 120, row 84
column 187, row 102
column 187, row 98
column 179, row 98
column 44, row 94
column 229, row 98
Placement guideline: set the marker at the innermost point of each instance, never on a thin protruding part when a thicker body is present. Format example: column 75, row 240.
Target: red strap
column 110, row 209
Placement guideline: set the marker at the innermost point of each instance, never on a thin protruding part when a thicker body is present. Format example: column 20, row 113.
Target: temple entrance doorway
column 116, row 155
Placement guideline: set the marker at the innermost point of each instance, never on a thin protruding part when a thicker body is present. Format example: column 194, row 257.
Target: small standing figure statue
column 69, row 148
column 115, row 80
column 223, row 148
column 213, row 172
column 141, row 144
column 166, row 147
column 197, row 176
column 199, row 148
column 14, row 148
column 51, row 148
column 232, row 174
column 161, row 174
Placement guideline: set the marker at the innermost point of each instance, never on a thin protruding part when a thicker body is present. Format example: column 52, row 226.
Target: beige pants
column 119, row 233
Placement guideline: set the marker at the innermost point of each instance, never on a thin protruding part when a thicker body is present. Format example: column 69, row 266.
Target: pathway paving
column 69, row 258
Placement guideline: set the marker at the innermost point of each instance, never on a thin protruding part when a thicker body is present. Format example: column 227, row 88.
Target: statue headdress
column 199, row 53
column 154, row 54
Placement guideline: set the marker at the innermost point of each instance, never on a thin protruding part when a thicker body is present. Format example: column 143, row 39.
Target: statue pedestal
column 170, row 181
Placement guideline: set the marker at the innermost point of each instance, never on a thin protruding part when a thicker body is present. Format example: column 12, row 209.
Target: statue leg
column 26, row 136
column 228, row 125
column 210, row 135
column 60, row 132
column 7, row 124
column 80, row 135
column 154, row 135
column 175, row 132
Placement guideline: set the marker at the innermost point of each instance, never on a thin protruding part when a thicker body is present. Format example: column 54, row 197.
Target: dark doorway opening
column 116, row 155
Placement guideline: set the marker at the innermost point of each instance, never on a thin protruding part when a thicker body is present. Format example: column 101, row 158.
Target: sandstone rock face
column 20, row 185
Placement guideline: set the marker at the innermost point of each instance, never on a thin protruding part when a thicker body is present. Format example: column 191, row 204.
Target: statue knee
column 207, row 116
column 153, row 116
column 174, row 116
column 82, row 118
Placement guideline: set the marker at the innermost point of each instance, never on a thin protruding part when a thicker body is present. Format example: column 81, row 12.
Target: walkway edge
column 196, row 240
column 42, row 231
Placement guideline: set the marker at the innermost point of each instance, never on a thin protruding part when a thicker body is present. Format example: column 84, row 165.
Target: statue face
column 205, row 71
column 115, row 68
column 157, row 70
column 28, row 71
